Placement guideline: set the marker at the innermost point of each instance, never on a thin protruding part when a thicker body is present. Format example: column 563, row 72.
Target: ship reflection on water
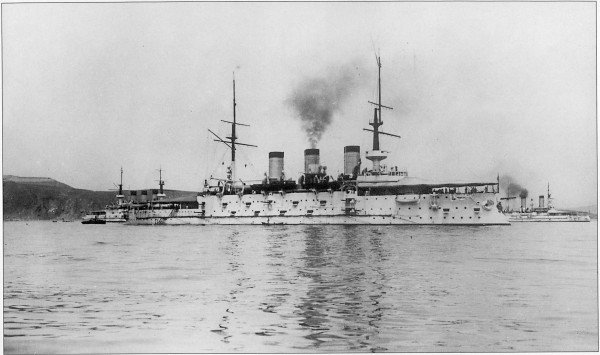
column 342, row 304
column 299, row 289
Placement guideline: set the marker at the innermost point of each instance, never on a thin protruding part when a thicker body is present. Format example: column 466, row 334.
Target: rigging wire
column 250, row 165
column 207, row 149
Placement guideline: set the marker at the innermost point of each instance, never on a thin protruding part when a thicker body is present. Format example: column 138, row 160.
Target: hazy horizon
column 478, row 89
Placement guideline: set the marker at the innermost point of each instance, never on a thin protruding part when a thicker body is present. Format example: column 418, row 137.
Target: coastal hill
column 30, row 198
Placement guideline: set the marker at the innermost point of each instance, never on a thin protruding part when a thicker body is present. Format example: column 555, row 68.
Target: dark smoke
column 316, row 100
column 524, row 193
column 513, row 187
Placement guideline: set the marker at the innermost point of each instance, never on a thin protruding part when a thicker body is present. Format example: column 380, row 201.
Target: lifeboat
column 404, row 199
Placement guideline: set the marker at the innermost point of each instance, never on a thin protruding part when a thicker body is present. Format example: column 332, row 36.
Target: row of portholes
column 286, row 201
column 420, row 208
column 444, row 217
column 256, row 212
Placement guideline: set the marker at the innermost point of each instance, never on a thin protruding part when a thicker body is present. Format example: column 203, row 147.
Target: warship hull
column 547, row 217
column 335, row 207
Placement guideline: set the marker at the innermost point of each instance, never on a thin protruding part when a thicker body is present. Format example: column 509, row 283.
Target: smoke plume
column 513, row 187
column 317, row 99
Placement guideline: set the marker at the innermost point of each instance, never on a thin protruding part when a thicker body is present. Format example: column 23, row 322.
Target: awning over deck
column 414, row 182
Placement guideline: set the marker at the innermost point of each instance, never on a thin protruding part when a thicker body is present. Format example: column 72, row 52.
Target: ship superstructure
column 379, row 195
column 117, row 213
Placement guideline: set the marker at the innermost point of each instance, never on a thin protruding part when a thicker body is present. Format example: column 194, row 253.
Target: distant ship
column 377, row 196
column 545, row 213
column 114, row 213
column 94, row 220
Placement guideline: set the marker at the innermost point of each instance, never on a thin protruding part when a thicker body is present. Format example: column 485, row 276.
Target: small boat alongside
column 93, row 221
column 94, row 216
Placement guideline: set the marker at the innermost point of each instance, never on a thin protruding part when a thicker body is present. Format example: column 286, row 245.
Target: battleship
column 545, row 212
column 379, row 195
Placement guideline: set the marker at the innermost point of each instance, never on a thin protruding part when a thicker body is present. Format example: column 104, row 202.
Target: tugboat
column 375, row 196
column 546, row 213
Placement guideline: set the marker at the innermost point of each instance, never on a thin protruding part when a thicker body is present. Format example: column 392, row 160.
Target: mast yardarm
column 376, row 155
column 231, row 144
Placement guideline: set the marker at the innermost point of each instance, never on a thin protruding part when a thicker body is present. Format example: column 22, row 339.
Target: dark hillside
column 44, row 198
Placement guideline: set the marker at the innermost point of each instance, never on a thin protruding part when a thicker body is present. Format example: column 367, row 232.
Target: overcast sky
column 477, row 89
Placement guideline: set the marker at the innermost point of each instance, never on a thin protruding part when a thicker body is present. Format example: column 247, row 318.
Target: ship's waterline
column 330, row 208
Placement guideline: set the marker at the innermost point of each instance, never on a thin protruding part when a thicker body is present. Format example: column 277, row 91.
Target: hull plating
column 335, row 207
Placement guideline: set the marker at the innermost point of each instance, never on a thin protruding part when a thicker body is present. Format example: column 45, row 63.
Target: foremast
column 550, row 206
column 120, row 196
column 231, row 143
column 161, row 184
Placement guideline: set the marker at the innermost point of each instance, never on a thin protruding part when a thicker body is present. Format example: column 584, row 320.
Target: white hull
column 116, row 220
column 334, row 207
column 118, row 215
column 546, row 218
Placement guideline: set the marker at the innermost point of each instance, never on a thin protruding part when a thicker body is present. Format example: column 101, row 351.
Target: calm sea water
column 73, row 288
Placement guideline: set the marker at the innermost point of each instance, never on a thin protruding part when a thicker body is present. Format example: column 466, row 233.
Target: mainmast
column 377, row 155
column 377, row 117
column 233, row 137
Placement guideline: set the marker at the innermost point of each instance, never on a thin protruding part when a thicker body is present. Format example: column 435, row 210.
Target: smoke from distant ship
column 513, row 187
column 317, row 99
